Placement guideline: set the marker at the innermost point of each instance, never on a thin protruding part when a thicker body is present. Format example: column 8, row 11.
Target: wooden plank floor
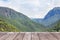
column 29, row 36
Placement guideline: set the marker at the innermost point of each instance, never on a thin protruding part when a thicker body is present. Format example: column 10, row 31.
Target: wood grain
column 35, row 36
column 29, row 35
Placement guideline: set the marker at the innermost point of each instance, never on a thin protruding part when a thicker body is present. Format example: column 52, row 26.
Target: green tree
column 57, row 27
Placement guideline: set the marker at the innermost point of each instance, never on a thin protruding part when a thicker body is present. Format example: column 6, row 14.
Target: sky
column 31, row 8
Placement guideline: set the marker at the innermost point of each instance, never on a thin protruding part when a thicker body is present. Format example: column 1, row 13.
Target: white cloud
column 31, row 8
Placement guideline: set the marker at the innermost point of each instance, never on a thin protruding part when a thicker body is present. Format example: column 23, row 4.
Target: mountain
column 18, row 21
column 51, row 13
column 54, row 27
column 51, row 17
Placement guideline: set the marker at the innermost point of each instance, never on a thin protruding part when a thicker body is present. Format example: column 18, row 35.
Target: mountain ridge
column 52, row 16
column 19, row 20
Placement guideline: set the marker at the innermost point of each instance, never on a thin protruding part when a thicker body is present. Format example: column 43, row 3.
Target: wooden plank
column 27, row 36
column 4, row 37
column 56, row 35
column 2, row 34
column 50, row 37
column 11, row 36
column 35, row 36
column 46, row 36
column 19, row 36
column 42, row 36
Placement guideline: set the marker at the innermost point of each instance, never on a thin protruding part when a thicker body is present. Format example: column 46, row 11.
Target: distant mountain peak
column 54, row 11
column 9, row 12
column 56, row 8
column 52, row 17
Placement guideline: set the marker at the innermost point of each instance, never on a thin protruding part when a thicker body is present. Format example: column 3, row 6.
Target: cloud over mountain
column 31, row 7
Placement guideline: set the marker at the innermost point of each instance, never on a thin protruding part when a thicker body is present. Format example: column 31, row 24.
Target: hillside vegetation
column 6, row 27
column 55, row 27
column 19, row 21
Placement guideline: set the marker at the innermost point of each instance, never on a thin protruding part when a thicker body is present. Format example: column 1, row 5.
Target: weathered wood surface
column 29, row 36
